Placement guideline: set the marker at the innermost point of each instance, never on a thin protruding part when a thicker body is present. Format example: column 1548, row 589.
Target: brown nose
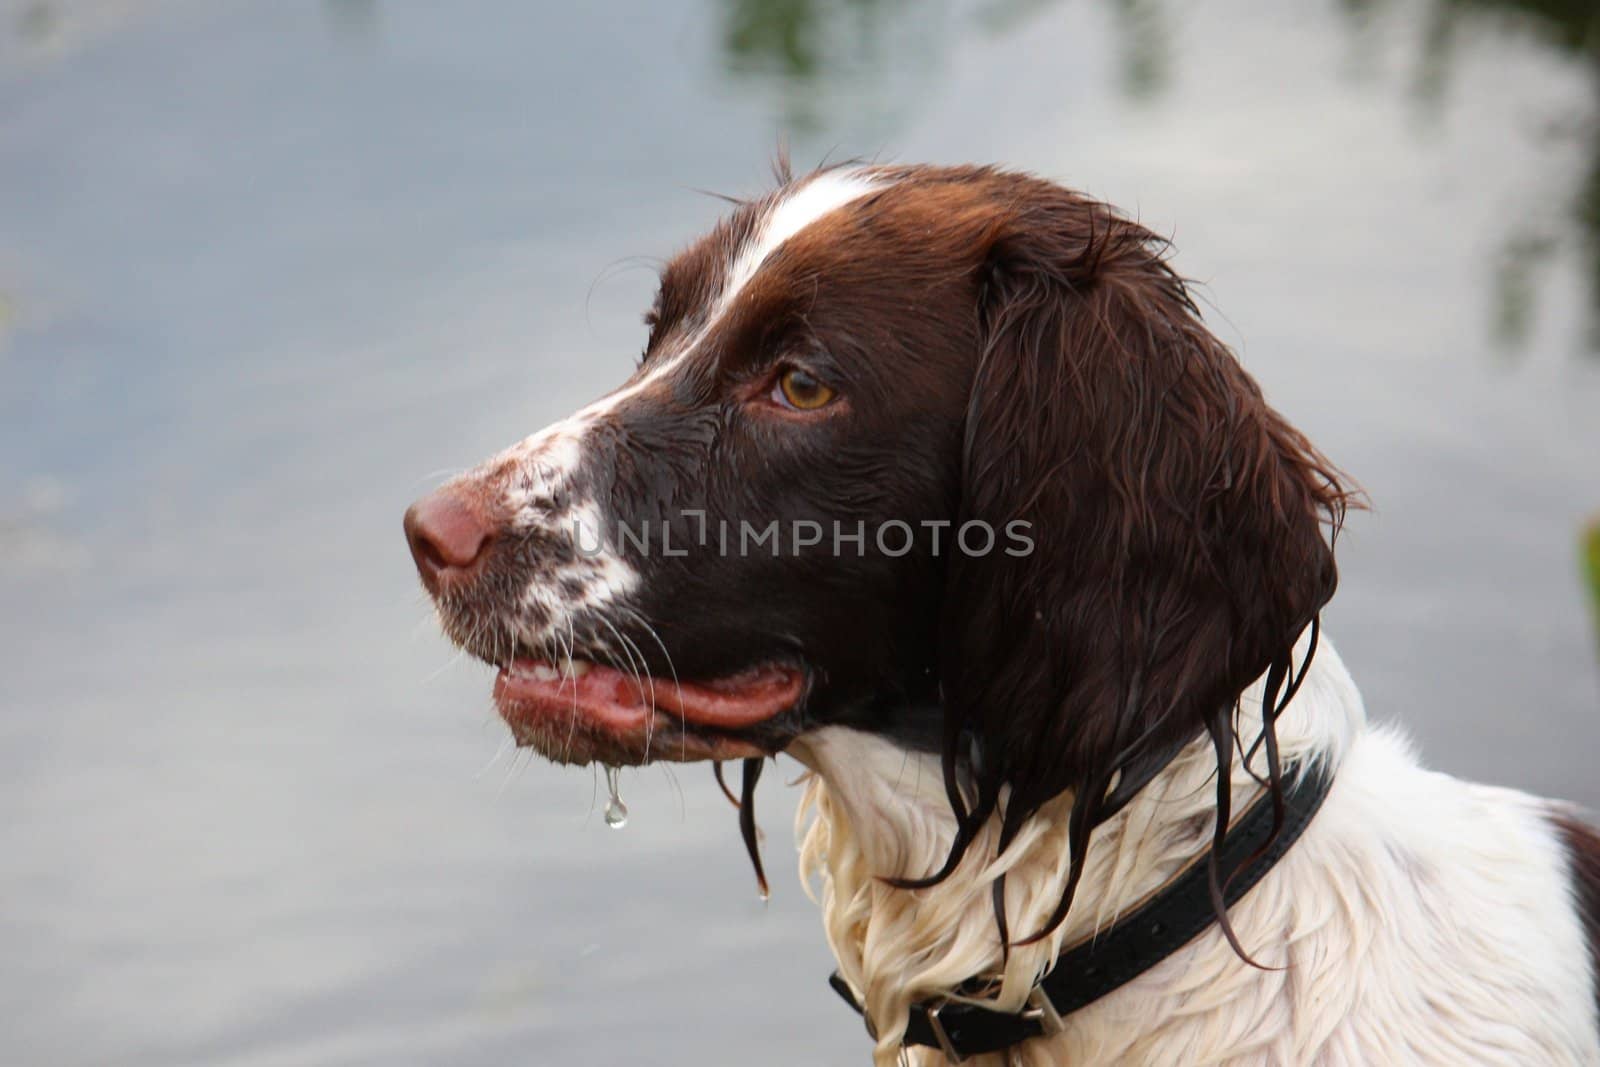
column 448, row 533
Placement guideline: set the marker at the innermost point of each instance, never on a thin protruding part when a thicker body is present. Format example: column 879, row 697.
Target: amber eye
column 799, row 390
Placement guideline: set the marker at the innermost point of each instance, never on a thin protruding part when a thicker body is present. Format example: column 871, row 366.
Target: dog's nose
column 448, row 533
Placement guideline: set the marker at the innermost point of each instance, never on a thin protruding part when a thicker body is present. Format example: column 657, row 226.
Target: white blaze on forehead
column 542, row 494
column 558, row 448
column 817, row 198
column 803, row 207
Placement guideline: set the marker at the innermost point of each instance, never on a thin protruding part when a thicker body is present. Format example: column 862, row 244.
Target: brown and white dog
column 934, row 479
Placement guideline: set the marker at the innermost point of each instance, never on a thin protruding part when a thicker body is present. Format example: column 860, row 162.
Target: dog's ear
column 1180, row 528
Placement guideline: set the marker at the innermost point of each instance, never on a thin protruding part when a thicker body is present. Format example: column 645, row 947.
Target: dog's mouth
column 576, row 711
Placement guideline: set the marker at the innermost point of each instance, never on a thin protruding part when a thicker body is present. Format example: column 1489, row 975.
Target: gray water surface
column 268, row 271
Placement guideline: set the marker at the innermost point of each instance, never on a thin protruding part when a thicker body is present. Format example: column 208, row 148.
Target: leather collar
column 1166, row 922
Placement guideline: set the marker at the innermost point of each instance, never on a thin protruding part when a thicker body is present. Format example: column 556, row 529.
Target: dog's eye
column 801, row 391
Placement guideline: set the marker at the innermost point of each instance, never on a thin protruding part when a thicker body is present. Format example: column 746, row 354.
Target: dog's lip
column 621, row 713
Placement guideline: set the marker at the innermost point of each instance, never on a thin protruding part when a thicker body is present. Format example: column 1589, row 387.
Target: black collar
column 1165, row 923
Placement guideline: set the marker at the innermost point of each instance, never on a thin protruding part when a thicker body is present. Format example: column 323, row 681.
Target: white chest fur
column 1419, row 920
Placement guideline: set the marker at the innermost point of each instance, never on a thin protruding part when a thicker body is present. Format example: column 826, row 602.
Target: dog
column 934, row 479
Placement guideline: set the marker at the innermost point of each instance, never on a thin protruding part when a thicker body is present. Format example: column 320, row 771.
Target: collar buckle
column 937, row 1026
column 1043, row 1011
column 1039, row 1010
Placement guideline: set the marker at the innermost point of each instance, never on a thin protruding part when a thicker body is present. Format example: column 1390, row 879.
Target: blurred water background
column 269, row 270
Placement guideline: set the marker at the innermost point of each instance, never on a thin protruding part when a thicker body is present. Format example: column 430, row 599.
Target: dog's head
column 945, row 455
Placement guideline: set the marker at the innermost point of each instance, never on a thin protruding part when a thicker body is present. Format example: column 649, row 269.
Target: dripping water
column 616, row 810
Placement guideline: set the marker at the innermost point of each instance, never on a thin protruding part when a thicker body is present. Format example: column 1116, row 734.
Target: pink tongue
column 739, row 700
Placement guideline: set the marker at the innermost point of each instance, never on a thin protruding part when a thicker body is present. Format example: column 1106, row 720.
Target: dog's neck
column 871, row 809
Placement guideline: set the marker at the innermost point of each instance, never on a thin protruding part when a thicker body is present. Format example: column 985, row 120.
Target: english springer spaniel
column 934, row 479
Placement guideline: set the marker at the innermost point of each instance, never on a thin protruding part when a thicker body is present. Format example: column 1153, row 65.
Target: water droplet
column 616, row 814
column 616, row 810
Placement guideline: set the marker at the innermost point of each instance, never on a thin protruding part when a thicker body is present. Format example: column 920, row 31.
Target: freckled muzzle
column 497, row 552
